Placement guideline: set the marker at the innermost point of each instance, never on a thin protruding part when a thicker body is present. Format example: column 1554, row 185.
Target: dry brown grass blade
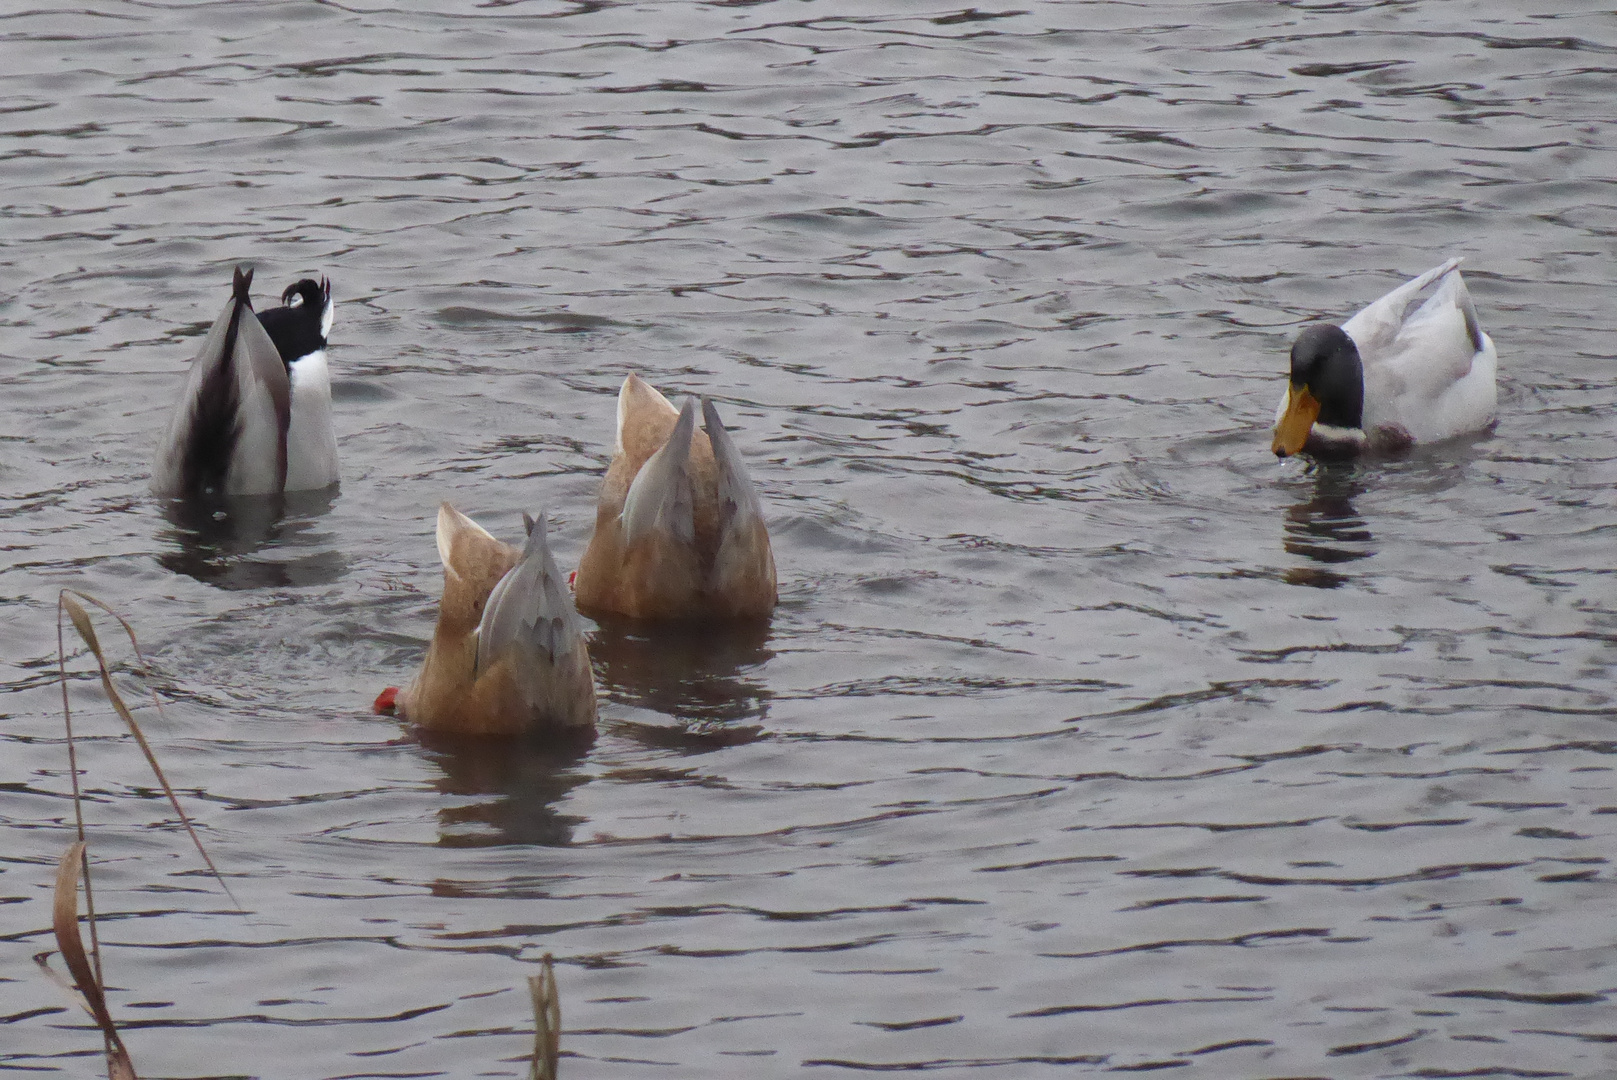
column 73, row 775
column 65, row 921
column 546, row 1021
column 81, row 623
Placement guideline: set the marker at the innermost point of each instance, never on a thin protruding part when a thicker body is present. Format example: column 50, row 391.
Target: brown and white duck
column 508, row 655
column 679, row 531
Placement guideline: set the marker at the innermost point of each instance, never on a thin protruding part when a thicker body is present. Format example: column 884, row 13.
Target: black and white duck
column 254, row 417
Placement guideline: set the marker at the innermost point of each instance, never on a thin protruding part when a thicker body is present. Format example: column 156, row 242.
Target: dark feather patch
column 215, row 415
column 1472, row 327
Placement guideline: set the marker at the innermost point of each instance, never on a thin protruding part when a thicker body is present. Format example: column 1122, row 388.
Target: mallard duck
column 508, row 654
column 1384, row 380
column 679, row 533
column 255, row 415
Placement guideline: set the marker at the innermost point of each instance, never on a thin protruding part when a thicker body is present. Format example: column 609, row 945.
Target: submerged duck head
column 1326, row 391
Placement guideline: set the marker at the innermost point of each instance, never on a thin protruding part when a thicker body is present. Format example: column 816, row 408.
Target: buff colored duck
column 254, row 417
column 1386, row 380
column 679, row 532
column 508, row 654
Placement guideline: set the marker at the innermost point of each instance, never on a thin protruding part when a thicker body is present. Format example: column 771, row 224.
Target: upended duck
column 255, row 415
column 679, row 532
column 508, row 655
column 1384, row 381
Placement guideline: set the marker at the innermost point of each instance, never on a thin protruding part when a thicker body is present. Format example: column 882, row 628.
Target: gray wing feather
column 738, row 499
column 529, row 608
column 660, row 496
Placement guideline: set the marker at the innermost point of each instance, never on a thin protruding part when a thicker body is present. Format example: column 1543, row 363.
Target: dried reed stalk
column 81, row 623
column 88, row 979
column 546, row 1021
column 91, row 992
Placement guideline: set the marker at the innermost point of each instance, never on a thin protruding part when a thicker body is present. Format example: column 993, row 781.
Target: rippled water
column 1087, row 737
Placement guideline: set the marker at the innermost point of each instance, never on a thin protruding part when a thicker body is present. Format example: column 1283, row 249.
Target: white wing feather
column 1431, row 372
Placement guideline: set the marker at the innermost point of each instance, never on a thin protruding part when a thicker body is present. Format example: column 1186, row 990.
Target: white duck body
column 251, row 420
column 311, row 441
column 1432, row 373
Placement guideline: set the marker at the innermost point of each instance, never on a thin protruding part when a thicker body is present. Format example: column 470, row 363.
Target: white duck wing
column 1375, row 328
column 660, row 498
column 530, row 611
column 227, row 434
column 1436, row 378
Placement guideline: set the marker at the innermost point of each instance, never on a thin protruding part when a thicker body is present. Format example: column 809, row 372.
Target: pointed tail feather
column 637, row 399
column 452, row 524
column 743, row 571
column 660, row 497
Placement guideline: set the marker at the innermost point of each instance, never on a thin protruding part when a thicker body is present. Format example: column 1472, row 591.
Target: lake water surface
column 1087, row 737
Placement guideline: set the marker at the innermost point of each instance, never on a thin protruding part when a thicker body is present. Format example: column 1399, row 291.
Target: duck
column 508, row 655
column 1389, row 379
column 679, row 530
column 254, row 417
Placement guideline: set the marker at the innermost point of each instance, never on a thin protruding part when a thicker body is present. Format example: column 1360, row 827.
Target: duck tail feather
column 660, row 497
column 266, row 393
column 452, row 524
column 637, row 397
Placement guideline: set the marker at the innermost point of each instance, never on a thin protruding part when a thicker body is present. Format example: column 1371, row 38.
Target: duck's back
column 1431, row 373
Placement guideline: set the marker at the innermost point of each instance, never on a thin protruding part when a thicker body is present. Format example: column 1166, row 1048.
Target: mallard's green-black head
column 1327, row 387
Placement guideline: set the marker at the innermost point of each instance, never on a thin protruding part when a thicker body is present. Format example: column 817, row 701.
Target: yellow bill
column 1291, row 430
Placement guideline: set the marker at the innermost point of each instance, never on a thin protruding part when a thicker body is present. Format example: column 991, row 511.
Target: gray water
column 1087, row 737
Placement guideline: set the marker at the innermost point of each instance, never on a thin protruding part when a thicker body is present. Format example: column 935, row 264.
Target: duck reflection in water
column 505, row 791
column 1327, row 528
column 697, row 671
column 253, row 541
